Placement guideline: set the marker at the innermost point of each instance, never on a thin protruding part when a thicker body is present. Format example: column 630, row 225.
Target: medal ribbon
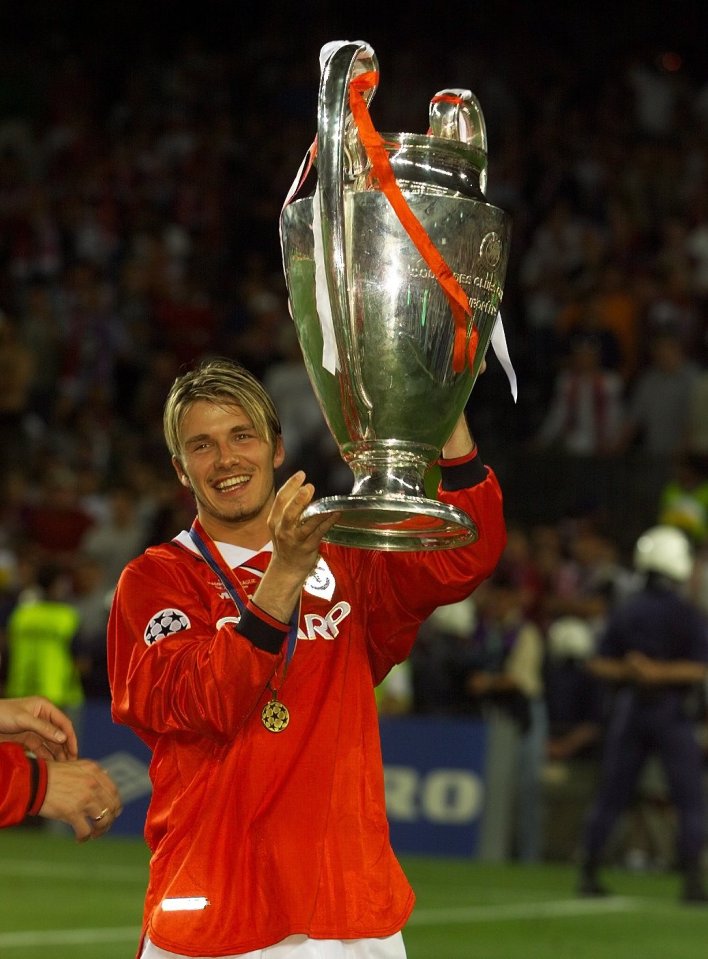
column 377, row 154
column 209, row 552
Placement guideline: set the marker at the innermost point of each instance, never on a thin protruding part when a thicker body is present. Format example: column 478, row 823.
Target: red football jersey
column 257, row 835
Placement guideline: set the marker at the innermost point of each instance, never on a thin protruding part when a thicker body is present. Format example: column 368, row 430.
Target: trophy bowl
column 391, row 367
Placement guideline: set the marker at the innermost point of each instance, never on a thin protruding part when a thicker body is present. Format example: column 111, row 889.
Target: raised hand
column 296, row 544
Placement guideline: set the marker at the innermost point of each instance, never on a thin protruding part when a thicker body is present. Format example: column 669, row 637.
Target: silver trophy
column 390, row 364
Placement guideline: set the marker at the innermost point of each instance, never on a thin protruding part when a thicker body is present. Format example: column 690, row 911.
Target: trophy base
column 395, row 522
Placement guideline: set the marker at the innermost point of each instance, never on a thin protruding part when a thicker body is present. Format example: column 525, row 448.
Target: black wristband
column 260, row 633
column 463, row 475
column 34, row 779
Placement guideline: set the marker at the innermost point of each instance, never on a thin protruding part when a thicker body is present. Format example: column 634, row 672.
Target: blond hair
column 223, row 382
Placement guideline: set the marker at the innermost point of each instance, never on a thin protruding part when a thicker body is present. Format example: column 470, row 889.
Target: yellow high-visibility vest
column 40, row 660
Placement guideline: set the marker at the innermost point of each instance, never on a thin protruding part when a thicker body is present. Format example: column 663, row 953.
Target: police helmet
column 664, row 550
column 570, row 637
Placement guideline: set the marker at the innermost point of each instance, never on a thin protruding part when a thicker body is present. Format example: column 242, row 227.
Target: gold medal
column 275, row 716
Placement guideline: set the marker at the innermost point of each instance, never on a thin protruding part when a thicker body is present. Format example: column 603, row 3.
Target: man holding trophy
column 245, row 652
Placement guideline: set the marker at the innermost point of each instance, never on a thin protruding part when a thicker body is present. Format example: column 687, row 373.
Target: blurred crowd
column 139, row 206
column 515, row 656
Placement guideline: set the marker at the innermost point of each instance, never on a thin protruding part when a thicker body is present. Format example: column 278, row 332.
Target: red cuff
column 459, row 460
column 266, row 617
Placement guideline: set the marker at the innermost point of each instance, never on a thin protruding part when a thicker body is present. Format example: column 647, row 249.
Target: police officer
column 654, row 651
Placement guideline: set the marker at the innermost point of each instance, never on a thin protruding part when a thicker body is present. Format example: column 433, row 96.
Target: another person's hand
column 82, row 795
column 40, row 726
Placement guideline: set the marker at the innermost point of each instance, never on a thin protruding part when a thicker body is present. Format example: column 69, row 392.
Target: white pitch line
column 68, row 937
column 90, row 872
column 492, row 913
column 526, row 910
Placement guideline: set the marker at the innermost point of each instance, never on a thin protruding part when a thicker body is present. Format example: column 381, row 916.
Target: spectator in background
column 573, row 698
column 394, row 694
column 186, row 318
column 519, row 565
column 91, row 336
column 20, row 429
column 698, row 414
column 549, row 557
column 583, row 318
column 657, row 96
column 15, row 490
column 675, row 309
column 616, row 307
column 554, row 253
column 41, row 633
column 697, row 246
column 684, row 498
column 437, row 679
column 259, row 341
column 574, row 703
column 660, row 401
column 654, row 652
column 42, row 336
column 586, row 412
column 683, row 503
column 113, row 542
column 55, row 521
column 502, row 663
column 590, row 580
column 91, row 599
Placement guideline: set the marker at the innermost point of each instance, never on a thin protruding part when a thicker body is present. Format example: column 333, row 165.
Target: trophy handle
column 332, row 140
column 456, row 115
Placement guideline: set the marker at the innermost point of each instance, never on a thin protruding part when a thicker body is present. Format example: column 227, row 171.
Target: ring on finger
column 101, row 815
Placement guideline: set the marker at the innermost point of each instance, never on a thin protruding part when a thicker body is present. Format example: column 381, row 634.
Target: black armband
column 262, row 630
column 35, row 777
column 462, row 473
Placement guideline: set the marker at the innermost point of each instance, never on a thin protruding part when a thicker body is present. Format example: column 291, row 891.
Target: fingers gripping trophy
column 395, row 267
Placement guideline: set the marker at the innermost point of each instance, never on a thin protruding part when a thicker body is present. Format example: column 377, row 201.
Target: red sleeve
column 170, row 671
column 403, row 589
column 23, row 784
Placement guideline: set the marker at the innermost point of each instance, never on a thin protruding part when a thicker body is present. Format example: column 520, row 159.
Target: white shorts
column 300, row 947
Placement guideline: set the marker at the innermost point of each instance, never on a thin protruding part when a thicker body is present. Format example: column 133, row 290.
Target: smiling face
column 230, row 469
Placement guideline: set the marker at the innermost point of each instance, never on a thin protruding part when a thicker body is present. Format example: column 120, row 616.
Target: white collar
column 235, row 556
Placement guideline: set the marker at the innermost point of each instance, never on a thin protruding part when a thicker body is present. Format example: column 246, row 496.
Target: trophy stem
column 388, row 508
column 387, row 466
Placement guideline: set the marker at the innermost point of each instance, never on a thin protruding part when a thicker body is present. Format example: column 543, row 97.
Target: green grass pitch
column 61, row 900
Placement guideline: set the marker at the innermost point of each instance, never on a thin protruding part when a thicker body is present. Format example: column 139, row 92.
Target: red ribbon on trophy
column 463, row 351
